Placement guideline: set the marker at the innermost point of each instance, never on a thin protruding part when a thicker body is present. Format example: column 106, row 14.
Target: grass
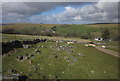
column 113, row 49
column 0, row 67
column 61, row 30
column 9, row 37
column 0, row 63
column 108, row 43
column 76, row 28
column 84, row 62
column 90, row 63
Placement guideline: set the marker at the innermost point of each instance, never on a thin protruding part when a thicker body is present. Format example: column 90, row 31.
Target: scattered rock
column 31, row 55
column 92, row 71
column 20, row 57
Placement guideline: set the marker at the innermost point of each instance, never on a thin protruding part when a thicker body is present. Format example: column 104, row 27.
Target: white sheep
column 103, row 46
column 68, row 42
column 86, row 45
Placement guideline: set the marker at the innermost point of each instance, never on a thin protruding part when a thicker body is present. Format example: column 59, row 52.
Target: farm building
column 98, row 39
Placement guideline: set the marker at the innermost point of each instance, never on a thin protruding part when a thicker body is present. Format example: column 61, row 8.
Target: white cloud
column 99, row 12
column 30, row 12
column 77, row 18
column 59, row 0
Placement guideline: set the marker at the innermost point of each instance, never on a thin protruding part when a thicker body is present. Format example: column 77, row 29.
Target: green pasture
column 0, row 67
column 84, row 62
column 61, row 29
column 11, row 37
column 52, row 61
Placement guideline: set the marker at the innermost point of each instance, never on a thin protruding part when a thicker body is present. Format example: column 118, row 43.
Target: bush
column 106, row 34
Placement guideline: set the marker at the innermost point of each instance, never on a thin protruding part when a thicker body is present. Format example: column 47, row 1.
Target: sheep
column 94, row 45
column 86, row 45
column 57, row 41
column 103, row 46
column 69, row 42
column 90, row 45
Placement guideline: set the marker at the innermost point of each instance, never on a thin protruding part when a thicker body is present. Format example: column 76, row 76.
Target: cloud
column 24, row 10
column 95, row 13
column 59, row 0
column 31, row 12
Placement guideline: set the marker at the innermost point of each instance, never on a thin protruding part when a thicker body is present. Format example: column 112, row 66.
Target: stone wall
column 8, row 46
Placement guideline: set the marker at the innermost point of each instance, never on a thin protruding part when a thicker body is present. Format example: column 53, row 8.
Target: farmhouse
column 98, row 39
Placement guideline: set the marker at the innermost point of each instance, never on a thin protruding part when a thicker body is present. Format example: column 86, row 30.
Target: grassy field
column 10, row 37
column 83, row 63
column 116, row 49
column 68, row 30
column 0, row 67
column 51, row 60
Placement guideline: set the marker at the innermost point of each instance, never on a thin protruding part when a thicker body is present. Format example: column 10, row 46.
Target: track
column 116, row 54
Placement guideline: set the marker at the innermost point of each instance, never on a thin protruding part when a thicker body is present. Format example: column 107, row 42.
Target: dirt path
column 116, row 54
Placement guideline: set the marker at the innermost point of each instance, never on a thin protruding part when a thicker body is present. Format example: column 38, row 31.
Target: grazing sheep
column 90, row 45
column 103, row 46
column 86, row 45
column 69, row 42
column 57, row 41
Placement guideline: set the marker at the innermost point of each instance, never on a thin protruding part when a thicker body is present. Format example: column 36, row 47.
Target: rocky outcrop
column 8, row 46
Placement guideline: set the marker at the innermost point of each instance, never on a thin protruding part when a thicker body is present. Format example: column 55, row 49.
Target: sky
column 59, row 12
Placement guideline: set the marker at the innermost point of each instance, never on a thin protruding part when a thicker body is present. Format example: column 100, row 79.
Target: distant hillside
column 88, row 31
